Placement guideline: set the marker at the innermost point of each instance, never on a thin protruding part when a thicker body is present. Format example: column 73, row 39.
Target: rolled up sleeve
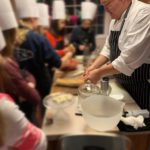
column 120, row 65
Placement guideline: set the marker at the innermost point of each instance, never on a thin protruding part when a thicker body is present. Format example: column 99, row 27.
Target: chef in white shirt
column 127, row 47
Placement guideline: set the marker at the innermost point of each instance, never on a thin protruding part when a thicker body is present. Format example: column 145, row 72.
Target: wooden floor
column 140, row 141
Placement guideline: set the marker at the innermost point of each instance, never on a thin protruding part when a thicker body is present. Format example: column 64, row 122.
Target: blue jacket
column 43, row 54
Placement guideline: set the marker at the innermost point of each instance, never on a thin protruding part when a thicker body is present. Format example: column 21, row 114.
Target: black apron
column 137, row 84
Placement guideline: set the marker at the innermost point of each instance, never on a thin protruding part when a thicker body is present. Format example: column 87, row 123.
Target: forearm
column 96, row 74
column 107, row 70
column 101, row 60
column 65, row 59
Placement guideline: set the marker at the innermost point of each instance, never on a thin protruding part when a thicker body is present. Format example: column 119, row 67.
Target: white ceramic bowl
column 102, row 113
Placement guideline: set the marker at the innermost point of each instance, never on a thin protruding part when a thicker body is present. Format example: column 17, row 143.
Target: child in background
column 83, row 36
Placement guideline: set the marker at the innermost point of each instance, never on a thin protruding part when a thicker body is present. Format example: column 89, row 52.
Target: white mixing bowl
column 102, row 113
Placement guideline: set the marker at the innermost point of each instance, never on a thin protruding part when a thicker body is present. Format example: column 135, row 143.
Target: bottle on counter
column 104, row 84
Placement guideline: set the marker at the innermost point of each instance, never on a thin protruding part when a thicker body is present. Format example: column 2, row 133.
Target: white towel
column 136, row 122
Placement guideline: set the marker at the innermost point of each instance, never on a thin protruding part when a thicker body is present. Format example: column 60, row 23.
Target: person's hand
column 70, row 65
column 68, row 56
column 72, row 48
column 93, row 76
column 88, row 70
column 69, row 48
column 82, row 47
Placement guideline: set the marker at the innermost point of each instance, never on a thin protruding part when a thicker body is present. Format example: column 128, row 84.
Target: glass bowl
column 58, row 100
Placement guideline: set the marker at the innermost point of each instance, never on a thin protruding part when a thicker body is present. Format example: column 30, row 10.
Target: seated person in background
column 56, row 37
column 56, row 34
column 83, row 36
column 16, row 132
column 43, row 25
column 19, row 86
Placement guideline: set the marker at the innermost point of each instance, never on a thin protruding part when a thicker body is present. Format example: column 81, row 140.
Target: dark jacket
column 43, row 54
column 83, row 37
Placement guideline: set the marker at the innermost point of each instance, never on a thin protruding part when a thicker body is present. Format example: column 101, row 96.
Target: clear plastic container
column 101, row 112
column 87, row 90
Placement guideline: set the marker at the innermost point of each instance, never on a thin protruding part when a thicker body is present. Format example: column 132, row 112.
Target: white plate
column 57, row 100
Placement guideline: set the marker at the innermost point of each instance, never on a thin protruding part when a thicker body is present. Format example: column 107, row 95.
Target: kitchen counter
column 69, row 123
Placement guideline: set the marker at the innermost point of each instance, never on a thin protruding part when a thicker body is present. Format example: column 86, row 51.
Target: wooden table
column 71, row 123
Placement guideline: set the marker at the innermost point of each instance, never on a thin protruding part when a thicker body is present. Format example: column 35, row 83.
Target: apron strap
column 125, row 16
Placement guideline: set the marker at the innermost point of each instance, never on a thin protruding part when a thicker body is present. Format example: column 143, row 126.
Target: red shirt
column 53, row 41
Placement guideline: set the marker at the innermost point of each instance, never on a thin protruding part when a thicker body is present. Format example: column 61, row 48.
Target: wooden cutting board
column 69, row 82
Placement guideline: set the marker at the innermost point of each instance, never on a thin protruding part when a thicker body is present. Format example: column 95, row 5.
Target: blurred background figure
column 83, row 36
column 44, row 57
column 18, row 83
column 44, row 29
column 16, row 132
column 56, row 34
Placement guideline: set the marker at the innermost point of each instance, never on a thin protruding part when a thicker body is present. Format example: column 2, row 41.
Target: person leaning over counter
column 128, row 49
column 44, row 56
column 43, row 29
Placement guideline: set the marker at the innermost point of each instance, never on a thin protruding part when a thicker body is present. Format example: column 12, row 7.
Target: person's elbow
column 123, row 67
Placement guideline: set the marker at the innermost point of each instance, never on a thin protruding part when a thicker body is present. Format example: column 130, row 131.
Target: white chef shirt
column 134, row 40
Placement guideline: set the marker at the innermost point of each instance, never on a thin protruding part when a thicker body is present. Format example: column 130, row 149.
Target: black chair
column 93, row 142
